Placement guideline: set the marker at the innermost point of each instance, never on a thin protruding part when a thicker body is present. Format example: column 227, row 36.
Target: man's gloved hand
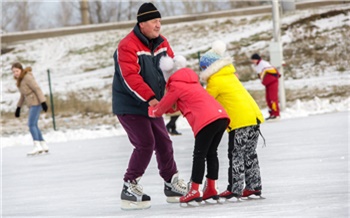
column 44, row 106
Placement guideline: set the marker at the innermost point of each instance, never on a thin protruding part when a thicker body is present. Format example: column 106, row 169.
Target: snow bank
column 299, row 109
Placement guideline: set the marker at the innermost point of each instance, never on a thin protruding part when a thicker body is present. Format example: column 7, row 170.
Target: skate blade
column 273, row 120
column 231, row 200
column 253, row 197
column 44, row 153
column 191, row 204
column 34, row 154
column 257, row 197
column 135, row 205
column 38, row 154
column 175, row 199
column 195, row 200
column 212, row 202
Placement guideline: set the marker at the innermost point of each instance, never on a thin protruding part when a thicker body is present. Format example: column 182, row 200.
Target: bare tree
column 23, row 22
column 65, row 14
column 96, row 12
column 27, row 15
column 17, row 16
column 84, row 11
column 131, row 9
column 119, row 11
column 104, row 11
column 242, row 4
column 7, row 11
column 193, row 7
column 168, row 9
column 113, row 11
column 188, row 7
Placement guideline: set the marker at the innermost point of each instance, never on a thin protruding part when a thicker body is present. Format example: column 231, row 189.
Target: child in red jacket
column 206, row 117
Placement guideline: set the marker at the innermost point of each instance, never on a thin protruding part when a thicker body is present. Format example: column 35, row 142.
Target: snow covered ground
column 299, row 109
column 304, row 173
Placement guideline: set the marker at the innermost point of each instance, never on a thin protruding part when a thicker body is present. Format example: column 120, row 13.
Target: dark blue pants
column 147, row 135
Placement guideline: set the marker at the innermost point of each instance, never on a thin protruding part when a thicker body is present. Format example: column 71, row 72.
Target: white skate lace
column 136, row 188
column 180, row 186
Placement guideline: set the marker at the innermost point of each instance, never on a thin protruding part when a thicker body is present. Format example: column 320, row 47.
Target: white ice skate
column 44, row 146
column 133, row 198
column 36, row 150
column 175, row 189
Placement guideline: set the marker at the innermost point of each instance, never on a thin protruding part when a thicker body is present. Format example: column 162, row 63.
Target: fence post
column 51, row 100
column 199, row 58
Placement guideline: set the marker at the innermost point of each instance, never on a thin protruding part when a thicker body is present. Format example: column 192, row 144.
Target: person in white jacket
column 269, row 78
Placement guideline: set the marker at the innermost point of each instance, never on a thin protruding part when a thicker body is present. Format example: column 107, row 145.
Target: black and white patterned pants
column 243, row 160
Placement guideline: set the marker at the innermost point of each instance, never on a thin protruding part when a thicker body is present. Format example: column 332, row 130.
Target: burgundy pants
column 148, row 135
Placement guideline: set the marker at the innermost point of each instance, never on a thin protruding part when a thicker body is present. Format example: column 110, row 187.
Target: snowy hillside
column 316, row 51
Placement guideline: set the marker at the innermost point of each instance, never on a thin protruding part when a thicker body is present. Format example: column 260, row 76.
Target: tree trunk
column 84, row 10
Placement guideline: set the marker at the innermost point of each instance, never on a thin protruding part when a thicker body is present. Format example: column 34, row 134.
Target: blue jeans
column 34, row 113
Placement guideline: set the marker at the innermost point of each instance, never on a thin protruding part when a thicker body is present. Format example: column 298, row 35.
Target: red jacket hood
column 185, row 75
column 194, row 102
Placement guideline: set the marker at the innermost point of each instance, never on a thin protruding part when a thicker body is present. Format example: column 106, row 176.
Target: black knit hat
column 255, row 57
column 146, row 12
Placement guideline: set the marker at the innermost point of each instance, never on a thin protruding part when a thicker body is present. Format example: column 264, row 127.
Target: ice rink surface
column 305, row 173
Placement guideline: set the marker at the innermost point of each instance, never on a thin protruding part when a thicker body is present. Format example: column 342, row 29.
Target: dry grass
column 73, row 104
column 71, row 112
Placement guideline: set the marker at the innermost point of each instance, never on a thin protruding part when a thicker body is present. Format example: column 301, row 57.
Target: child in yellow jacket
column 218, row 73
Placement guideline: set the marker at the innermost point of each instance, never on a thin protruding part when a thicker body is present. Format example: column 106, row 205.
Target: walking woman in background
column 35, row 100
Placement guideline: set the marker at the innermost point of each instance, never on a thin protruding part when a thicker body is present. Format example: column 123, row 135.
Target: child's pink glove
column 151, row 111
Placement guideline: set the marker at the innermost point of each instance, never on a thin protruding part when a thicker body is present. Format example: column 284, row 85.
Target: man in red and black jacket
column 137, row 84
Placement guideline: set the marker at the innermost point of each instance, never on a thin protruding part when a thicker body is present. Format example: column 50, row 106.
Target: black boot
column 171, row 126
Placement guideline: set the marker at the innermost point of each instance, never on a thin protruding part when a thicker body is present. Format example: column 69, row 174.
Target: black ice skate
column 227, row 195
column 272, row 118
column 175, row 189
column 172, row 131
column 133, row 198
